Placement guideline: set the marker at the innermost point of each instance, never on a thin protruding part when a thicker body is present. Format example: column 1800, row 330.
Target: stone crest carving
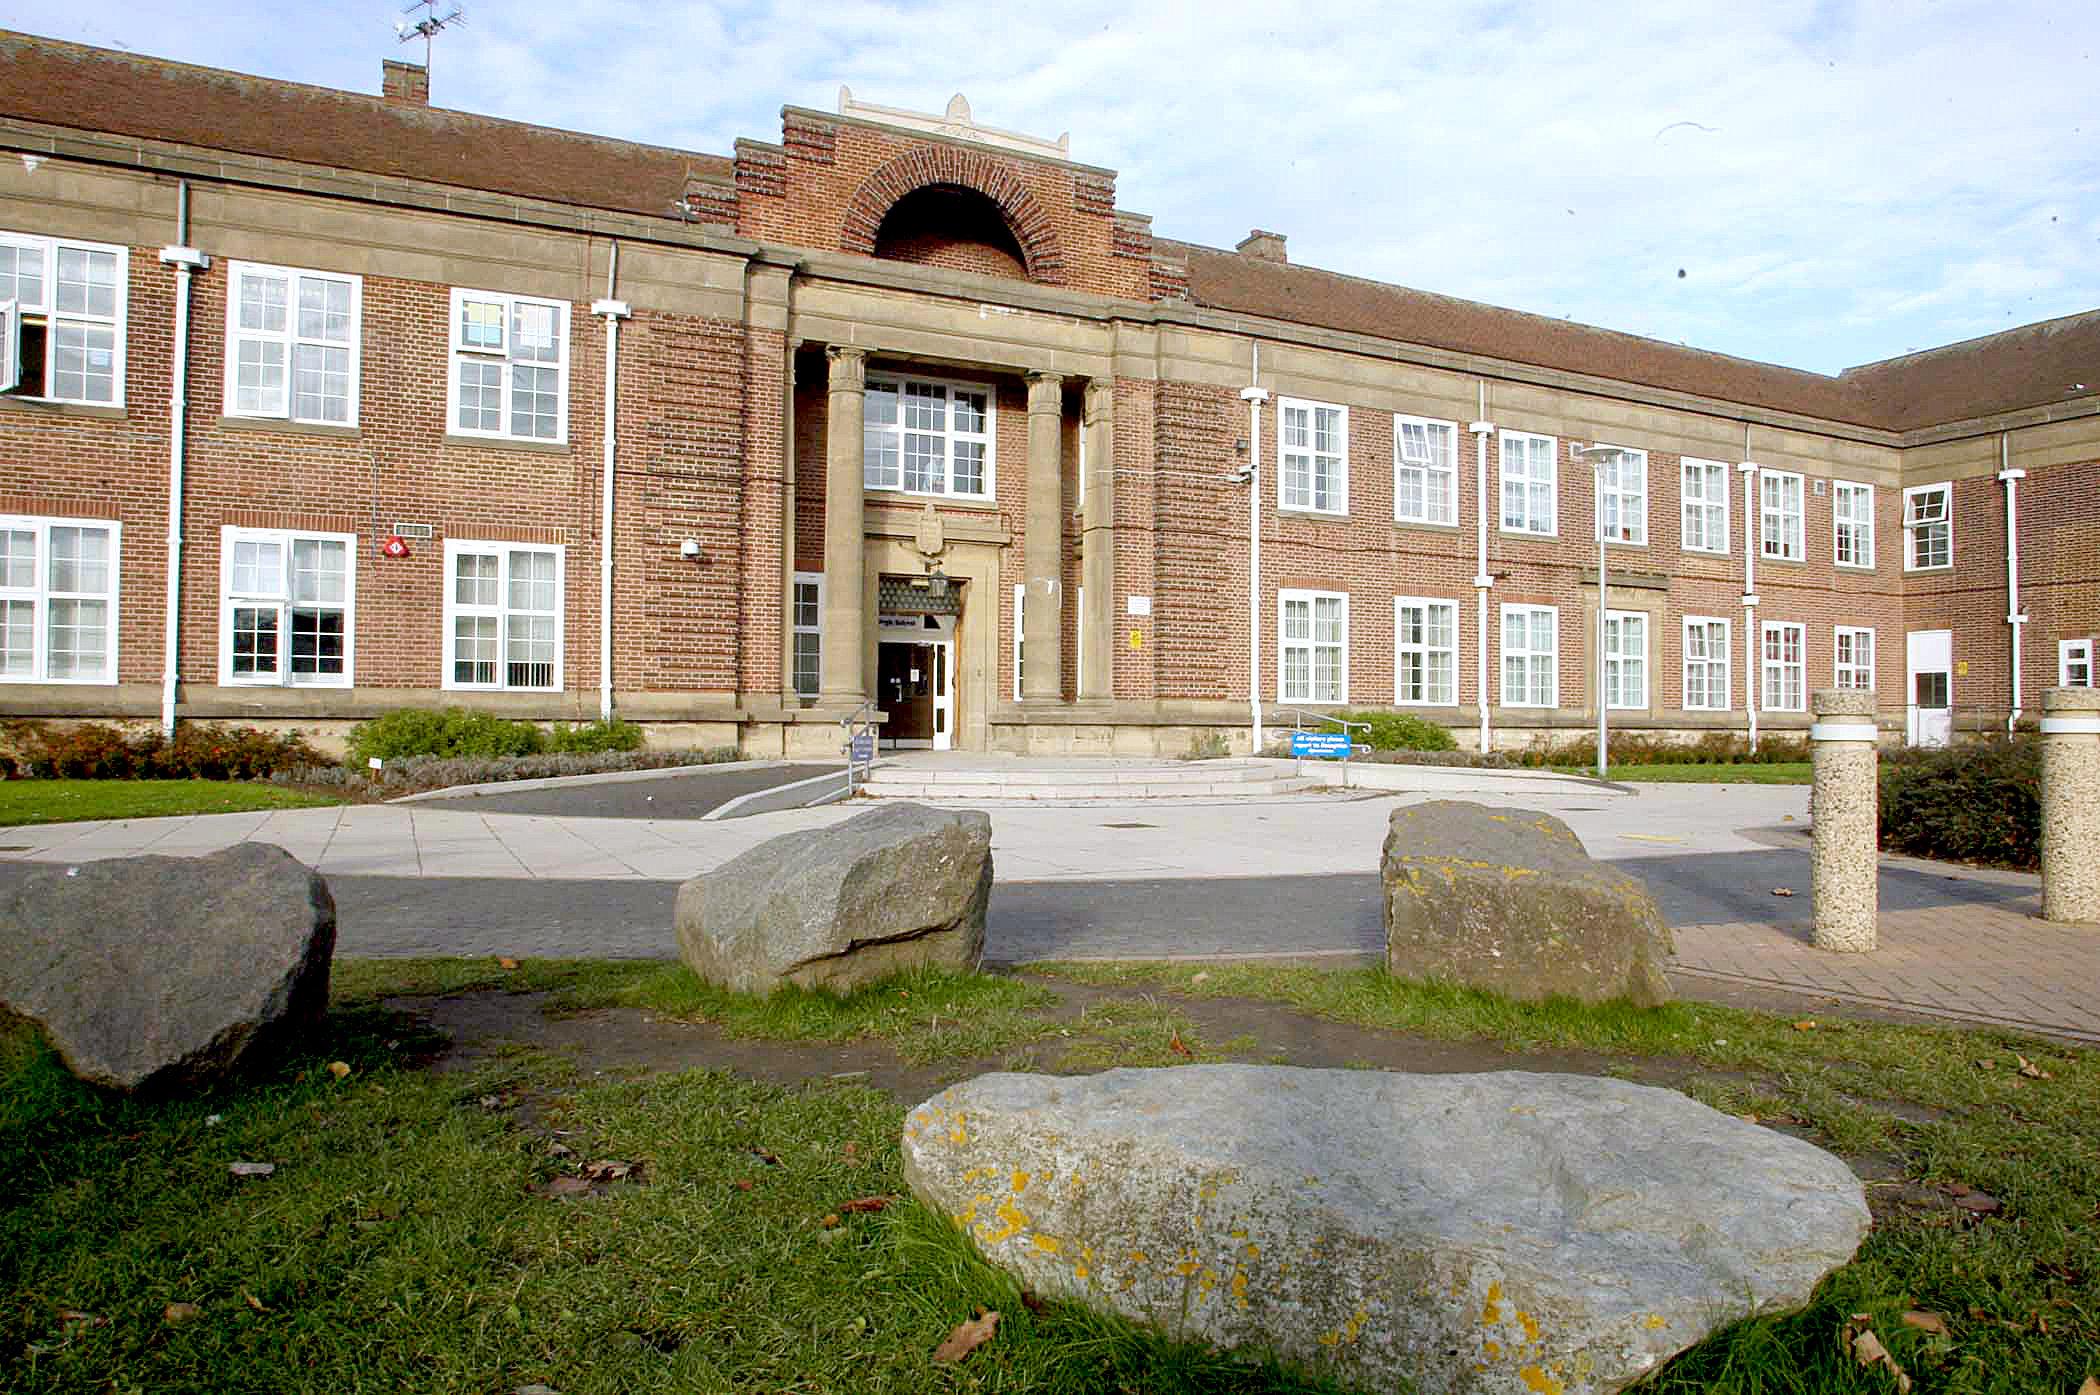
column 931, row 537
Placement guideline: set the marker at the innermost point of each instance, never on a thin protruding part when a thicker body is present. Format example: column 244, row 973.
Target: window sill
column 1706, row 551
column 1425, row 526
column 110, row 682
column 1783, row 561
column 1942, row 567
column 288, row 427
column 915, row 499
column 1553, row 536
column 453, row 438
column 46, row 407
column 1328, row 515
column 276, row 685
column 1863, row 568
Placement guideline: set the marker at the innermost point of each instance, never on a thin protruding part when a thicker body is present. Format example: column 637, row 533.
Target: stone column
column 2071, row 804
column 1097, row 524
column 1043, row 543
column 1845, row 807
column 845, row 558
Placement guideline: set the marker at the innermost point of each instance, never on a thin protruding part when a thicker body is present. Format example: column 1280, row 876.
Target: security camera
column 1243, row 475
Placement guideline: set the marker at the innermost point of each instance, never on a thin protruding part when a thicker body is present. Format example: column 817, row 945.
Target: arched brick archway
column 965, row 169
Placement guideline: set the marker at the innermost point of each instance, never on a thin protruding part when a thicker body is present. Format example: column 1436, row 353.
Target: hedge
column 1977, row 802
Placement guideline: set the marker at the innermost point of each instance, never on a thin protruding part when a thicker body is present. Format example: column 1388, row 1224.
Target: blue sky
column 1816, row 184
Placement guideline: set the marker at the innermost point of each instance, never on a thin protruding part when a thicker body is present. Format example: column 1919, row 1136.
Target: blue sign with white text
column 1321, row 745
column 863, row 752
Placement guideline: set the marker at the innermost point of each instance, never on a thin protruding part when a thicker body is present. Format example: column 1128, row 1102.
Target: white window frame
column 1530, row 655
column 14, row 310
column 1403, row 648
column 797, row 629
column 502, row 612
column 1078, row 647
column 1715, row 530
column 39, row 595
column 2074, row 663
column 1863, row 528
column 1913, row 525
column 1719, row 660
column 1626, row 499
column 1781, row 543
column 1852, row 671
column 876, row 478
column 1311, row 644
column 1020, row 632
column 1768, row 666
column 1527, row 525
column 1438, row 460
column 1335, row 460
column 502, row 354
column 284, row 599
column 289, row 340
column 1615, row 657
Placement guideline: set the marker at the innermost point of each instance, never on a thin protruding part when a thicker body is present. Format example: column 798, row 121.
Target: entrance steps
column 1019, row 780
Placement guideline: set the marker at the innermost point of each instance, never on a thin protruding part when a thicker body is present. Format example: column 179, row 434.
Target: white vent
column 420, row 531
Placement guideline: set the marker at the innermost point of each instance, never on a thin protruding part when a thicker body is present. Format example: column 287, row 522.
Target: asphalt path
column 668, row 797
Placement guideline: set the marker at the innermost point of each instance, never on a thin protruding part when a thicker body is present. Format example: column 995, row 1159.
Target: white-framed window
column 1779, row 520
column 1785, row 689
column 1020, row 632
column 58, row 600
column 1705, row 497
column 1852, row 506
column 287, row 604
column 62, row 319
column 510, row 367
column 808, row 631
column 1855, row 657
column 1530, row 502
column 1626, row 659
column 925, row 436
column 1313, row 638
column 1928, row 527
column 1312, row 456
column 1425, row 652
column 2074, row 663
column 1530, row 656
column 503, row 615
column 292, row 340
column 1425, row 470
column 1708, row 654
column 1622, row 497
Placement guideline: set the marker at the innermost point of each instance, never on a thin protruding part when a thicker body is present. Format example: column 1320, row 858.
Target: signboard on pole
column 1321, row 745
column 862, row 753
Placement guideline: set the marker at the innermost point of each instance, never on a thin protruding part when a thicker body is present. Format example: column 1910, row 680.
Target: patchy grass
column 1745, row 773
column 69, row 801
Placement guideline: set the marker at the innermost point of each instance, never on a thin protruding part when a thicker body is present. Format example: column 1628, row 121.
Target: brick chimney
column 405, row 83
column 1262, row 246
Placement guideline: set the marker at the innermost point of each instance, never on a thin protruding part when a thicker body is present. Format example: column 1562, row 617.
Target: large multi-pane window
column 1928, row 526
column 58, row 600
column 510, row 367
column 1425, row 652
column 1530, row 656
column 1784, row 687
column 1706, row 662
column 62, row 319
column 1779, row 522
column 1626, row 658
column 1622, row 497
column 291, row 344
column 927, row 437
column 1852, row 506
column 1529, row 500
column 1313, row 631
column 1855, row 657
column 285, row 608
column 1425, row 470
column 809, row 633
column 1705, row 498
column 1312, row 456
column 503, row 620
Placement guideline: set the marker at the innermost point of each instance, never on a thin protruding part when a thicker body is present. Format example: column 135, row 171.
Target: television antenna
column 429, row 26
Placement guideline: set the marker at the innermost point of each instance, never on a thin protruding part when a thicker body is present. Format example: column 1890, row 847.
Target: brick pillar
column 1042, row 544
column 1845, row 808
column 845, row 557
column 2071, row 804
column 1097, row 524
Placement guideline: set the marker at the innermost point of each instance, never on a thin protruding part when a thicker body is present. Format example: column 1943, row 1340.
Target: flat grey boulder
column 1509, row 1232
column 151, row 972
column 1507, row 900
column 898, row 887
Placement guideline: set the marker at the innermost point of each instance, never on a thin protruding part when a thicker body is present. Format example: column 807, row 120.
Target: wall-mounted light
column 690, row 549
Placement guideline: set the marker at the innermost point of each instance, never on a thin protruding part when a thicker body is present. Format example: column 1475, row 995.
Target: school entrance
column 915, row 660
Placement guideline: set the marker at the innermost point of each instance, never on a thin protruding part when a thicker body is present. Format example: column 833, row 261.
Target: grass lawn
column 406, row 1240
column 67, row 801
column 1746, row 773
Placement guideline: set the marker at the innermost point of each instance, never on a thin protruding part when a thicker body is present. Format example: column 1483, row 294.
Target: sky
column 1807, row 182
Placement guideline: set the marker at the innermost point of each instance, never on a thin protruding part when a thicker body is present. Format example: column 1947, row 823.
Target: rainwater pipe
column 187, row 261
column 613, row 311
column 1748, row 469
column 1254, row 394
column 2014, row 617
column 1483, row 430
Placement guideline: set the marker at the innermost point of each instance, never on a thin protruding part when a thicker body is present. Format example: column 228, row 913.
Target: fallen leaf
column 867, row 1203
column 2041, row 1323
column 71, row 1317
column 1807, row 1024
column 1986, row 1064
column 254, row 1302
column 830, row 1222
column 249, row 1169
column 506, row 963
column 1970, row 1199
column 1747, row 1118
column 2091, row 1386
column 850, row 1155
column 558, row 1149
column 1179, row 1047
column 743, row 1184
column 968, row 1336
column 1203, row 977
column 766, row 1156
column 1867, row 1350
column 537, row 1390
column 1032, row 1303
column 1926, row 1322
column 608, row 1170
column 2031, row 1070
column 339, row 1069
column 1782, row 891
column 180, row 1312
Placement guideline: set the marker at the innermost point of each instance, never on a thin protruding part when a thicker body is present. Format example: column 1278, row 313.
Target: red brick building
column 320, row 404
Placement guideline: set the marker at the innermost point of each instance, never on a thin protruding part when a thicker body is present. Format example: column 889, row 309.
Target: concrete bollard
column 2071, row 804
column 1845, row 808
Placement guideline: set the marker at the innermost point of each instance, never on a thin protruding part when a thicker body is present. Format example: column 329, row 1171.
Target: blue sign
column 1321, row 745
column 863, row 752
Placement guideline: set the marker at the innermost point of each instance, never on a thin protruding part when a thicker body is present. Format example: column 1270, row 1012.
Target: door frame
column 1918, row 730
column 942, row 642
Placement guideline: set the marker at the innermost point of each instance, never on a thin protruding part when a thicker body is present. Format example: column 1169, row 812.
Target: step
column 1026, row 790
column 1204, row 774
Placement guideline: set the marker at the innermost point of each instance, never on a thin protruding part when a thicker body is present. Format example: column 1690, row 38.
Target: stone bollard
column 2071, row 804
column 1845, row 809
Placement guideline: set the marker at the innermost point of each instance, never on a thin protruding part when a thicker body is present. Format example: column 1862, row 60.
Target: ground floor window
column 286, row 601
column 1314, row 642
column 2074, row 663
column 1626, row 658
column 1530, row 656
column 58, row 600
column 503, row 616
column 809, row 633
column 1425, row 652
column 1784, row 687
column 1706, row 662
column 1855, row 658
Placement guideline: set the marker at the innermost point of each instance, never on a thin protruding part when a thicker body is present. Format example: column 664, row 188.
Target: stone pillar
column 1845, row 808
column 845, row 558
column 1043, row 543
column 1097, row 524
column 2071, row 804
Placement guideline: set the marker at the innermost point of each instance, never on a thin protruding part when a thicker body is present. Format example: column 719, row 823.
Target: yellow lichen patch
column 1020, row 1182
column 1140, row 1257
column 1328, row 1339
column 1186, row 1268
column 1531, row 1328
column 1237, row 1234
column 1239, row 1286
column 1353, row 1328
column 1013, row 1221
column 1536, row 1379
column 1048, row 1244
column 1655, row 1322
column 1493, row 1349
column 1491, row 1311
column 1253, row 1251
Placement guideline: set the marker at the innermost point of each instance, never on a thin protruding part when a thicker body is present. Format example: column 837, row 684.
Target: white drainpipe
column 2014, row 617
column 1751, row 669
column 1254, row 395
column 614, row 311
column 187, row 261
column 1483, row 431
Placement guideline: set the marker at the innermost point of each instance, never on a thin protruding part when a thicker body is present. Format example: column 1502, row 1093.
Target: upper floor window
column 62, row 319
column 285, row 606
column 927, row 437
column 1529, row 502
column 1312, row 452
column 1705, row 497
column 1622, row 497
column 1852, row 505
column 292, row 344
column 58, row 600
column 1928, row 526
column 1779, row 525
column 1314, row 640
column 1425, row 470
column 502, row 615
column 2074, row 663
column 510, row 366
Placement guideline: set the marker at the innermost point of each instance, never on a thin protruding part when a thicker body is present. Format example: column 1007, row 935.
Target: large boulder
column 150, row 972
column 1510, row 1232
column 896, row 888
column 1507, row 900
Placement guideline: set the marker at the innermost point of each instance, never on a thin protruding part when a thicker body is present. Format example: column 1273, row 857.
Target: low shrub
column 450, row 732
column 1980, row 802
column 591, row 738
column 200, row 751
column 414, row 774
column 1714, row 748
column 1400, row 731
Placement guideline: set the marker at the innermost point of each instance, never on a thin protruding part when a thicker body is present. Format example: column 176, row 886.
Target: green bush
column 1400, row 731
column 453, row 732
column 1973, row 803
column 1714, row 748
column 200, row 751
column 591, row 738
